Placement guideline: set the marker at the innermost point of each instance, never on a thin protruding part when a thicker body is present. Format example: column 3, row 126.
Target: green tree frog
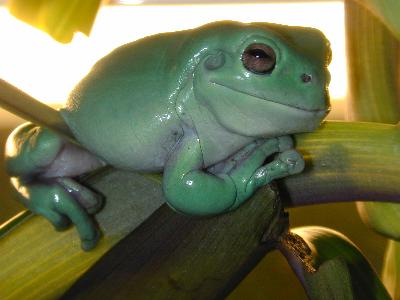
column 205, row 106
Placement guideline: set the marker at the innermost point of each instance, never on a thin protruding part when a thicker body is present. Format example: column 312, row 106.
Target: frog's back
column 124, row 110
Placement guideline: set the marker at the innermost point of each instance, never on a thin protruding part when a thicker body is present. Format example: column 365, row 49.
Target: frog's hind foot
column 41, row 165
column 58, row 205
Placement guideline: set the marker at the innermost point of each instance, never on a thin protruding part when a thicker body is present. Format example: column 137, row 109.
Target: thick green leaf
column 173, row 256
column 330, row 266
column 331, row 281
column 61, row 19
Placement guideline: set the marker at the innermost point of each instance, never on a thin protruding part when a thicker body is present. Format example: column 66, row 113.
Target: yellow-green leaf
column 391, row 270
column 373, row 54
column 388, row 11
column 61, row 19
column 37, row 262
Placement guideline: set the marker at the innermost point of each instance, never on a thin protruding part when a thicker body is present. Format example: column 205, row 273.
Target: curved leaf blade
column 338, row 271
column 391, row 269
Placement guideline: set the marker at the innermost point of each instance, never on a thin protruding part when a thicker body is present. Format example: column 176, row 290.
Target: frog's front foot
column 254, row 175
column 287, row 163
column 292, row 160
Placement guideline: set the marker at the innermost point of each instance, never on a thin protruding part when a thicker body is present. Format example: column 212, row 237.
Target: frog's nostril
column 306, row 78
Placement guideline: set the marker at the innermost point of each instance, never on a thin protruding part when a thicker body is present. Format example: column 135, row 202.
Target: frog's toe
column 86, row 227
column 59, row 221
column 285, row 143
column 293, row 161
column 89, row 244
column 91, row 201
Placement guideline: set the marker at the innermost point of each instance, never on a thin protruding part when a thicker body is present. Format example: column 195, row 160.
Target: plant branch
column 347, row 161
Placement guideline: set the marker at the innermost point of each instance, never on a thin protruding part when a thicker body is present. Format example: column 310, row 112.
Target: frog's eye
column 259, row 58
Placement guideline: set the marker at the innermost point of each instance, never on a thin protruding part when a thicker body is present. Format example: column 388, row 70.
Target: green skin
column 182, row 103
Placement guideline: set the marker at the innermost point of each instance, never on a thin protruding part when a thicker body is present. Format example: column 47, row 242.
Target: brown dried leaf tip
column 298, row 247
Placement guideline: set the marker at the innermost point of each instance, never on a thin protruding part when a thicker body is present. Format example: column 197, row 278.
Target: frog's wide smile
column 267, row 99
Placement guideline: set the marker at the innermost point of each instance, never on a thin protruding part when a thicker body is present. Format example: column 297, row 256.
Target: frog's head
column 263, row 79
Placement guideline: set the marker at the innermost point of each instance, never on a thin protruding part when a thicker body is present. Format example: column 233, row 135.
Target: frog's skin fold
column 205, row 106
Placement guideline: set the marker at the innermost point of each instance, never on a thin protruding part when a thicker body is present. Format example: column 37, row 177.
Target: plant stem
column 347, row 162
column 27, row 107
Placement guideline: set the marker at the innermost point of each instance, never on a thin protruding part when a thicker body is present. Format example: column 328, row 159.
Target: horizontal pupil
column 257, row 53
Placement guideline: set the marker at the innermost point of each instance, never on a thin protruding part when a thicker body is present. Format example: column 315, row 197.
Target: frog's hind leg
column 42, row 166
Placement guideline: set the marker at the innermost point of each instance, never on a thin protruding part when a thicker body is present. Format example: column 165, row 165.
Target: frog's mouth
column 304, row 109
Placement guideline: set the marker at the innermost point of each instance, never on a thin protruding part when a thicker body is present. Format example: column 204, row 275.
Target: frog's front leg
column 189, row 189
column 254, row 154
column 247, row 169
column 287, row 162
column 41, row 164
